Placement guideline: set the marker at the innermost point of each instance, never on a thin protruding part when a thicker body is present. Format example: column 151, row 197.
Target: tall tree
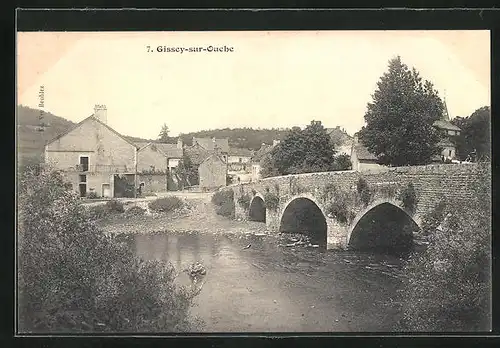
column 475, row 133
column 163, row 136
column 399, row 122
column 303, row 151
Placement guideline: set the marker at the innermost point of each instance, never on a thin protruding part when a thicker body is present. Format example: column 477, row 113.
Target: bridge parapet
column 431, row 183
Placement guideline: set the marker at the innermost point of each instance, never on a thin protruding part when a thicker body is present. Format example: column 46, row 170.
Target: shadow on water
column 385, row 229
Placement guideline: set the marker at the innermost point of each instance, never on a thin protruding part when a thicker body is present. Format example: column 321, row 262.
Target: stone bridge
column 356, row 210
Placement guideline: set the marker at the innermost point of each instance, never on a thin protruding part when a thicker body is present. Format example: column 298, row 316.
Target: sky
column 270, row 79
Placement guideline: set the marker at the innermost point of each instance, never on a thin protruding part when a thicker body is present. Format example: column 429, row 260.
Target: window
column 84, row 163
column 449, row 153
column 83, row 178
column 240, row 159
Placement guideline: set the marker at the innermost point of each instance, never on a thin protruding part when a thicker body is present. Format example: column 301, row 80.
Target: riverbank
column 198, row 214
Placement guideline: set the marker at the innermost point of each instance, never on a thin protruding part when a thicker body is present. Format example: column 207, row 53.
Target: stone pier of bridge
column 338, row 203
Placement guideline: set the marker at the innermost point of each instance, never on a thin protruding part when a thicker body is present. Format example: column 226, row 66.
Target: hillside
column 248, row 138
column 30, row 140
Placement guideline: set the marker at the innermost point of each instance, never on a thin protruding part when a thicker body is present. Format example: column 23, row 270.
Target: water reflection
column 269, row 287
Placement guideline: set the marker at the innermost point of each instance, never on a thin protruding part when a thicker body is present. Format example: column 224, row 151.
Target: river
column 254, row 283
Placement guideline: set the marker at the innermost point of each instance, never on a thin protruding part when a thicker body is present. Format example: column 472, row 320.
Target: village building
column 341, row 140
column 212, row 173
column 99, row 161
column 258, row 157
column 362, row 159
column 213, row 145
column 447, row 130
column 239, row 164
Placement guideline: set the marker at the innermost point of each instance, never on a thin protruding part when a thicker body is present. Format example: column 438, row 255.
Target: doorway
column 106, row 190
column 83, row 190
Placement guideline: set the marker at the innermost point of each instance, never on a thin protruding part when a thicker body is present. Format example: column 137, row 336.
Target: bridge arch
column 303, row 214
column 384, row 224
column 257, row 209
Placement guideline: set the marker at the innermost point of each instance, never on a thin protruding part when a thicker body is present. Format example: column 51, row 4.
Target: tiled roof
column 264, row 150
column 170, row 150
column 208, row 143
column 197, row 154
column 443, row 124
column 236, row 151
column 362, row 153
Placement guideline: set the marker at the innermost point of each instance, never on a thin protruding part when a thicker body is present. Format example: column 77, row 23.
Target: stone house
column 98, row 160
column 447, row 130
column 239, row 159
column 362, row 159
column 212, row 173
column 213, row 145
column 257, row 158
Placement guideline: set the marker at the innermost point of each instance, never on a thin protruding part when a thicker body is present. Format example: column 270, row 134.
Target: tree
column 302, row 151
column 343, row 162
column 475, row 133
column 399, row 122
column 187, row 171
column 163, row 136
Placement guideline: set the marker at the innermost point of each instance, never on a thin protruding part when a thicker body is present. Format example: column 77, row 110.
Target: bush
column 136, row 211
column 92, row 195
column 244, row 201
column 272, row 200
column 226, row 209
column 98, row 212
column 73, row 278
column 224, row 202
column 114, row 206
column 448, row 285
column 409, row 198
column 364, row 192
column 166, row 204
column 219, row 197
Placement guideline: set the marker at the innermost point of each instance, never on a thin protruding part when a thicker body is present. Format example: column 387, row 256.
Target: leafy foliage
column 448, row 285
column 92, row 195
column 302, row 151
column 187, row 171
column 475, row 133
column 342, row 162
column 224, row 203
column 247, row 138
column 135, row 211
column 73, row 278
column 114, row 206
column 163, row 137
column 399, row 122
column 408, row 197
column 166, row 204
column 364, row 192
column 244, row 201
column 338, row 203
column 271, row 199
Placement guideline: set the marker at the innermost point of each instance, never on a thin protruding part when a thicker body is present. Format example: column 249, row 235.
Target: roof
column 237, row 151
column 260, row 153
column 338, row 136
column 197, row 154
column 444, row 124
column 169, row 150
column 214, row 156
column 91, row 117
column 208, row 143
column 362, row 153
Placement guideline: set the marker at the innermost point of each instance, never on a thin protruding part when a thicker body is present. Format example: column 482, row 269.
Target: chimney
column 356, row 140
column 275, row 142
column 101, row 113
column 180, row 144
